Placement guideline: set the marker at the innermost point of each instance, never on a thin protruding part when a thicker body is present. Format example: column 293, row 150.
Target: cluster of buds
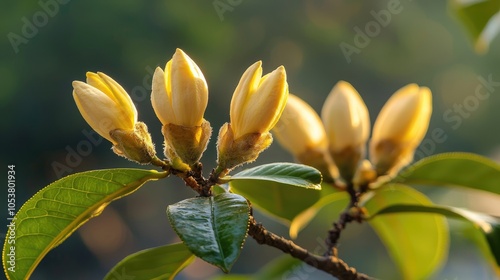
column 335, row 143
column 338, row 140
column 179, row 98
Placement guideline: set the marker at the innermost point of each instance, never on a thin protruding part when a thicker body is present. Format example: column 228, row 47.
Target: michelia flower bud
column 300, row 128
column 400, row 127
column 301, row 132
column 180, row 93
column 179, row 97
column 258, row 101
column 108, row 109
column 347, row 125
column 256, row 107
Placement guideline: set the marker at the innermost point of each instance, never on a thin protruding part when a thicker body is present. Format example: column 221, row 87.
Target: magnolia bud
column 347, row 125
column 258, row 102
column 399, row 128
column 179, row 98
column 108, row 109
column 256, row 107
column 301, row 132
column 300, row 127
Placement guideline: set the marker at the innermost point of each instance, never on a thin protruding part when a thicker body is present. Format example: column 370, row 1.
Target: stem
column 329, row 264
column 158, row 162
column 345, row 217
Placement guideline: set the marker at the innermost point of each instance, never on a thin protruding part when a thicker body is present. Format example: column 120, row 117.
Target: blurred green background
column 48, row 44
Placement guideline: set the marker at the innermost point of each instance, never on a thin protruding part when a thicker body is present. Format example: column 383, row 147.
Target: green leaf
column 460, row 169
column 279, row 201
column 337, row 200
column 488, row 225
column 418, row 243
column 156, row 263
column 213, row 228
column 281, row 190
column 481, row 18
column 56, row 211
column 292, row 174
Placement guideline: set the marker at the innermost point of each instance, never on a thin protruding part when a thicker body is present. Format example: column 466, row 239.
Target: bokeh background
column 44, row 135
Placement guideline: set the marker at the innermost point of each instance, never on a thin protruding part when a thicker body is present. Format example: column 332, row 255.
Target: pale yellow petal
column 162, row 104
column 264, row 107
column 189, row 90
column 121, row 98
column 247, row 85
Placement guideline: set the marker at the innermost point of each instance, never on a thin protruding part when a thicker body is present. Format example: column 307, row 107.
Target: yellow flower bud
column 258, row 101
column 179, row 97
column 400, row 127
column 104, row 104
column 300, row 128
column 180, row 93
column 347, row 126
column 256, row 107
column 301, row 132
column 108, row 109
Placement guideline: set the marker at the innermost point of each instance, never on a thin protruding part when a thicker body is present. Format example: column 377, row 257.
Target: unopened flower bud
column 179, row 97
column 180, row 93
column 347, row 126
column 301, row 132
column 109, row 110
column 399, row 128
column 256, row 107
column 258, row 101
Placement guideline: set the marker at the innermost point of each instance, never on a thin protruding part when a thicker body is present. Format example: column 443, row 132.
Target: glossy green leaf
column 213, row 228
column 56, row 211
column 488, row 225
column 292, row 174
column 459, row 169
column 279, row 201
column 481, row 18
column 281, row 190
column 337, row 200
column 163, row 262
column 418, row 243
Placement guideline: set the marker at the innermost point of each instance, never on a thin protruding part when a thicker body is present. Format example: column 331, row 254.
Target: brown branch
column 329, row 264
column 338, row 226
